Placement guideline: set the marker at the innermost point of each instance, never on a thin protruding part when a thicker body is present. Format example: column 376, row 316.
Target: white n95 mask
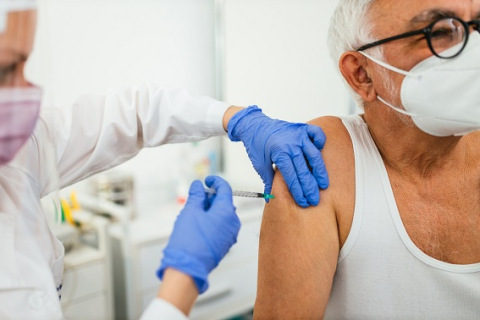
column 442, row 95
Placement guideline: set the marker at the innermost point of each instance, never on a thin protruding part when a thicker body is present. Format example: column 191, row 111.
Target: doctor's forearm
column 179, row 290
column 229, row 114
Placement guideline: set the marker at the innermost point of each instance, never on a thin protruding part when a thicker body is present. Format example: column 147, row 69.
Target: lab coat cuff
column 214, row 119
column 161, row 309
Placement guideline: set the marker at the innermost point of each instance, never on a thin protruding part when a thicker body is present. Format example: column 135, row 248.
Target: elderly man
column 397, row 234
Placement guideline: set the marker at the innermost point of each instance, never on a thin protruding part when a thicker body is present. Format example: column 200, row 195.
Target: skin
column 435, row 180
column 229, row 114
column 179, row 290
column 16, row 44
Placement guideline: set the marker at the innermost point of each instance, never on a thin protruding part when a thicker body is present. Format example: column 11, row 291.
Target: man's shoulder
column 340, row 163
column 338, row 144
column 333, row 127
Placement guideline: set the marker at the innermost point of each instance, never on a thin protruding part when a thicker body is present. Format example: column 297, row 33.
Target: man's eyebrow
column 432, row 15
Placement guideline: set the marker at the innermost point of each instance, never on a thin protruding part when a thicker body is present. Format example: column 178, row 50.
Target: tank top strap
column 369, row 208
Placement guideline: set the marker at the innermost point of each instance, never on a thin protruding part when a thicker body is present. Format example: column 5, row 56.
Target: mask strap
column 470, row 123
column 387, row 66
column 395, row 108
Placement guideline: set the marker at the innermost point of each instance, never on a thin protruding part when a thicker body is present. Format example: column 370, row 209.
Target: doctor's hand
column 289, row 146
column 203, row 233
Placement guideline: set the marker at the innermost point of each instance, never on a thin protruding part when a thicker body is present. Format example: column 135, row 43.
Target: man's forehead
column 411, row 13
column 414, row 10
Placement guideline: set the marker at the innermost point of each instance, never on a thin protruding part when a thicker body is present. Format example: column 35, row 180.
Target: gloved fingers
column 286, row 167
column 306, row 179
column 196, row 195
column 222, row 188
column 317, row 136
column 315, row 160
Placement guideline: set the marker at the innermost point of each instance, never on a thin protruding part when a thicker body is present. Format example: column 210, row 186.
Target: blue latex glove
column 203, row 233
column 289, row 146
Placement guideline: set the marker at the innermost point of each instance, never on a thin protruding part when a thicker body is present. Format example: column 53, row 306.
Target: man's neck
column 408, row 150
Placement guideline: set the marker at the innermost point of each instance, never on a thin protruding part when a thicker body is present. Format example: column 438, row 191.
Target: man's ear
column 352, row 66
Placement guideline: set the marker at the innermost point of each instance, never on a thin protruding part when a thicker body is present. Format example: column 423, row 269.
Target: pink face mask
column 19, row 112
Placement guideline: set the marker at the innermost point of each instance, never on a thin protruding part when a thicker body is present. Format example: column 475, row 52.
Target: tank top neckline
column 393, row 208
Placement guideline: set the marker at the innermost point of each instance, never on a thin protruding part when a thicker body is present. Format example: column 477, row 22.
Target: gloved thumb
column 196, row 195
column 222, row 188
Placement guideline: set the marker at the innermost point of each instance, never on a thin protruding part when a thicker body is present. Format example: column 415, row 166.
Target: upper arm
column 297, row 257
column 299, row 250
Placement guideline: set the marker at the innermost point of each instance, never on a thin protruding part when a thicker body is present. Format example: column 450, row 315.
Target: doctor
column 40, row 153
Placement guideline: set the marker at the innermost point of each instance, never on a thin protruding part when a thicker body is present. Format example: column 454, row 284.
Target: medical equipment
column 115, row 188
column 67, row 234
column 245, row 194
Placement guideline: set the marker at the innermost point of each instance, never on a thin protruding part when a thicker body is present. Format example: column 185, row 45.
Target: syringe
column 245, row 194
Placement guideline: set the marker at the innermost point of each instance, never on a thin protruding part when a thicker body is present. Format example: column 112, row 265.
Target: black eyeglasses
column 441, row 35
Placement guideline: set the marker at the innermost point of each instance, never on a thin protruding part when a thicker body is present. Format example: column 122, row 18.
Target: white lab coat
column 161, row 309
column 96, row 133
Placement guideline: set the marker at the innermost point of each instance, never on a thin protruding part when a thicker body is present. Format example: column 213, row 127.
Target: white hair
column 349, row 30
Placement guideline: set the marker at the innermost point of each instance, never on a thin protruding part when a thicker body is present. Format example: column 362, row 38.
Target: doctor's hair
column 350, row 28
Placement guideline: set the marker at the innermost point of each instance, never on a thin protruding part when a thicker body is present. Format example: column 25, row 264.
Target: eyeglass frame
column 427, row 32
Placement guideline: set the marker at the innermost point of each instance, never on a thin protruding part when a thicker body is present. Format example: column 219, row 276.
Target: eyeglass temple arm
column 398, row 37
column 475, row 24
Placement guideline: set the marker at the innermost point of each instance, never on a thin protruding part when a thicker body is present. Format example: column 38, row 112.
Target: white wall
column 88, row 46
column 276, row 57
column 93, row 45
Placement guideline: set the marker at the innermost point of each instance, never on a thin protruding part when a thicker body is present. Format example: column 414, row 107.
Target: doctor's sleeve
column 98, row 132
column 161, row 309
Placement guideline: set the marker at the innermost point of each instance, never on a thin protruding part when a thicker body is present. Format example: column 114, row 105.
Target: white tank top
column 381, row 274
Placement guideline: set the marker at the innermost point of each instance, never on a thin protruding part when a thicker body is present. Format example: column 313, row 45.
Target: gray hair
column 349, row 30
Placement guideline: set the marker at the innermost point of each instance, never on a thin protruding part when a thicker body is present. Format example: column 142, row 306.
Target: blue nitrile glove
column 203, row 233
column 289, row 146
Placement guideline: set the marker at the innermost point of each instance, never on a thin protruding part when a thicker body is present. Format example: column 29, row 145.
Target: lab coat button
column 36, row 300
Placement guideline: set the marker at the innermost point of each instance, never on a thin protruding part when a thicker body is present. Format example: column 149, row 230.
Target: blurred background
column 270, row 53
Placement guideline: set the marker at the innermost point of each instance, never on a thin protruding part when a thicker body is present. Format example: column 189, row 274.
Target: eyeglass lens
column 448, row 34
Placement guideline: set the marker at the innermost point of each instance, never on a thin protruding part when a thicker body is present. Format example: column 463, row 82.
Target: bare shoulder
column 340, row 163
column 338, row 142
column 299, row 247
